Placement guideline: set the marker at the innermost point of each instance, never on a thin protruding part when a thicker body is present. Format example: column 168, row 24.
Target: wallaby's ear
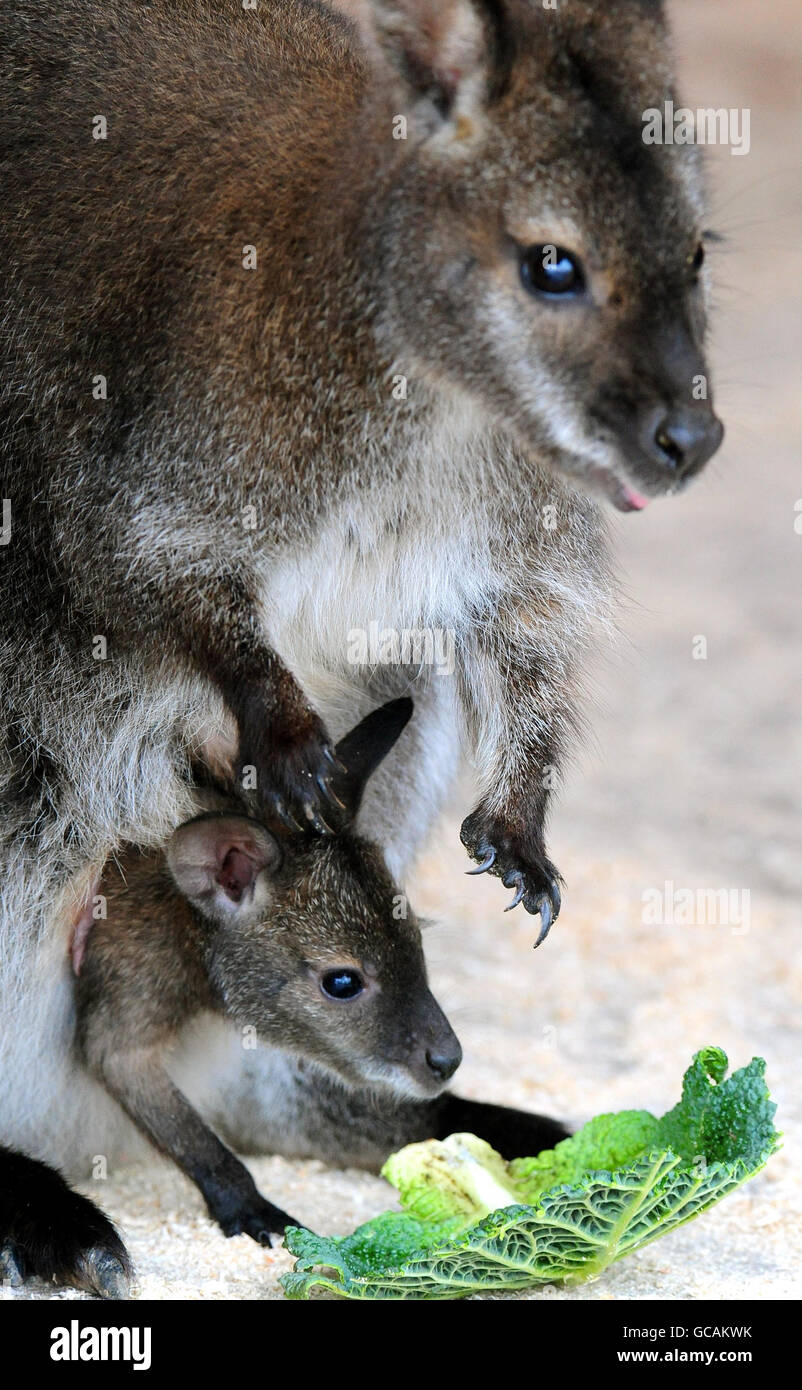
column 442, row 51
column 361, row 750
column 216, row 861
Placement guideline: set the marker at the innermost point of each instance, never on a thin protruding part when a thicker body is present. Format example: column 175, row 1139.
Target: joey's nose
column 683, row 440
column 443, row 1061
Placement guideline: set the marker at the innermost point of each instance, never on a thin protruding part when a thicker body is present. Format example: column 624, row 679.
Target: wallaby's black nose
column 685, row 439
column 444, row 1061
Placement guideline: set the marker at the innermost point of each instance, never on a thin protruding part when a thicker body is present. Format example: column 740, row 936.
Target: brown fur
column 255, row 943
column 270, row 389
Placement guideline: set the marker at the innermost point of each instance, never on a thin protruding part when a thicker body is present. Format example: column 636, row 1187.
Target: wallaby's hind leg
column 513, row 1133
column 48, row 1231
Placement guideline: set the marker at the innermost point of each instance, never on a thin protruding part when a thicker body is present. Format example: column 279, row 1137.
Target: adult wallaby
column 307, row 330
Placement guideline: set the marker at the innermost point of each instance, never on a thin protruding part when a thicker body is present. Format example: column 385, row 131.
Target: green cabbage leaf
column 473, row 1223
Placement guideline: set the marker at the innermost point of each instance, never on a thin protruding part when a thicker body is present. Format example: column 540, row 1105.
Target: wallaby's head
column 538, row 254
column 310, row 941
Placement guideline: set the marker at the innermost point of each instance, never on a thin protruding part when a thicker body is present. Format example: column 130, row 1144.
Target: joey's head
column 309, row 940
column 539, row 256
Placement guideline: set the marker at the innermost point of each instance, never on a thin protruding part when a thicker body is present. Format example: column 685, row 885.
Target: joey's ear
column 444, row 52
column 216, row 861
column 361, row 750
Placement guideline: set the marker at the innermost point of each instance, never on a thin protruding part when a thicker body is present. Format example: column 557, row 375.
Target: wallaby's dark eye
column 551, row 270
column 697, row 260
column 342, row 984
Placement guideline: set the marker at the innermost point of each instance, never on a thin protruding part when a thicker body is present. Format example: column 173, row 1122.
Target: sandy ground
column 693, row 778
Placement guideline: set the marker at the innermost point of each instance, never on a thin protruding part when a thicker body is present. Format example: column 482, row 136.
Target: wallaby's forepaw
column 51, row 1232
column 521, row 866
column 295, row 783
column 258, row 1219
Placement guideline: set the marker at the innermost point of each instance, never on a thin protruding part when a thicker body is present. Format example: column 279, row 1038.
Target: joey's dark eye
column 697, row 260
column 342, row 984
column 551, row 270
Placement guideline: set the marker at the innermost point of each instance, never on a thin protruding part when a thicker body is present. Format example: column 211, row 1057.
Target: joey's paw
column 296, row 783
column 260, row 1220
column 518, row 862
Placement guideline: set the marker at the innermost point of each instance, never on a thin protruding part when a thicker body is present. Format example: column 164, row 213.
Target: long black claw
column 546, row 919
column 556, row 898
column 331, row 757
column 519, row 893
column 486, row 864
column 329, row 792
column 285, row 816
column 316, row 821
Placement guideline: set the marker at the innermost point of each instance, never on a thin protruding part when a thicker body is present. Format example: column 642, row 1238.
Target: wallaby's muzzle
column 436, row 1052
column 661, row 415
column 443, row 1062
column 666, row 445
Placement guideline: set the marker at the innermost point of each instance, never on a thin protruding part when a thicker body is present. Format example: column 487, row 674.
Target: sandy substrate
column 693, row 778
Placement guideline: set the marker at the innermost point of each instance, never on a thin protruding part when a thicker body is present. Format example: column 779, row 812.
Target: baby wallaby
column 292, row 935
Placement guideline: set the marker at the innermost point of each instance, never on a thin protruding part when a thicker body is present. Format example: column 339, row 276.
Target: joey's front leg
column 517, row 701
column 165, row 1115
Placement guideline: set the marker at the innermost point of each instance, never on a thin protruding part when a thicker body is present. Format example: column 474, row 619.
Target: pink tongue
column 635, row 500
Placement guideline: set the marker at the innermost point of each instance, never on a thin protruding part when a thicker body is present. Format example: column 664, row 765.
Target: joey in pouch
column 295, row 937
column 289, row 934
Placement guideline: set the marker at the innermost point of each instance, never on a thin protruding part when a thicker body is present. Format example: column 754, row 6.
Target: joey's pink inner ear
column 236, row 873
column 217, row 859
